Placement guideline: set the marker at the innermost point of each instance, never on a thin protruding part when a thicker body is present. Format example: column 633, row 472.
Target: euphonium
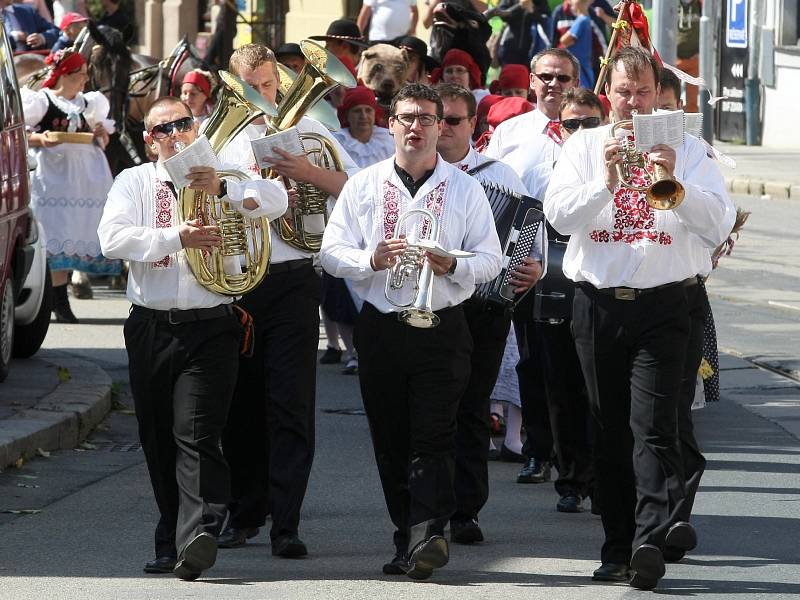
column 321, row 73
column 662, row 191
column 413, row 269
column 246, row 239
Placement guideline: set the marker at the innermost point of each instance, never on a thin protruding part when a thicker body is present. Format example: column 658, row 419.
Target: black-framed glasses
column 164, row 130
column 425, row 119
column 548, row 77
column 575, row 124
column 455, row 121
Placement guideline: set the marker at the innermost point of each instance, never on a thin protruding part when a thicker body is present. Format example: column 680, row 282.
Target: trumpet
column 413, row 271
column 662, row 191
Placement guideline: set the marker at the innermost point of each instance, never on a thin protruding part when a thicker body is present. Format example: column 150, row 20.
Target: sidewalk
column 50, row 402
column 762, row 171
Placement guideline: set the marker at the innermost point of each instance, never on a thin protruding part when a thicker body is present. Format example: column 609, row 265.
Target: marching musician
column 412, row 378
column 489, row 325
column 182, row 339
column 634, row 267
column 269, row 439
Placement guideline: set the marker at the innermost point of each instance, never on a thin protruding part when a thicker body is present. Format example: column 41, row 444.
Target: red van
column 24, row 305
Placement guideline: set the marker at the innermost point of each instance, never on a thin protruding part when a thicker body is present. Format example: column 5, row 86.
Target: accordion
column 518, row 219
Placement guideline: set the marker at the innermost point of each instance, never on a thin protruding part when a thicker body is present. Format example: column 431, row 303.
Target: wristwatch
column 452, row 268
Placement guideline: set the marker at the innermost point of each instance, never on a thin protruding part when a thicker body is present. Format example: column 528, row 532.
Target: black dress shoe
column 535, row 471
column 64, row 314
column 288, row 546
column 465, row 532
column 672, row 554
column 331, row 356
column 569, row 504
column 200, row 554
column 160, row 564
column 508, row 455
column 612, row 572
column 397, row 566
column 428, row 555
column 232, row 537
column 681, row 536
column 647, row 564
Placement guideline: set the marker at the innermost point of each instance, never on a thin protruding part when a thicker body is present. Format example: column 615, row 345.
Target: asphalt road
column 94, row 529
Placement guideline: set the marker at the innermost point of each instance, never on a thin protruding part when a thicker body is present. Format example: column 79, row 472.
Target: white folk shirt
column 239, row 151
column 522, row 142
column 141, row 223
column 379, row 147
column 370, row 204
column 617, row 239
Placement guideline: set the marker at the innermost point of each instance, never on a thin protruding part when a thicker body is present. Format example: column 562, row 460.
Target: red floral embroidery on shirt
column 633, row 219
column 434, row 202
column 163, row 210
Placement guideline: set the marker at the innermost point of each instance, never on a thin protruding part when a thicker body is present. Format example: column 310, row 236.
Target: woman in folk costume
column 460, row 68
column 196, row 92
column 72, row 177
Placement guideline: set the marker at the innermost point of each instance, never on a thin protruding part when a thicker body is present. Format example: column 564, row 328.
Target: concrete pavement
column 761, row 170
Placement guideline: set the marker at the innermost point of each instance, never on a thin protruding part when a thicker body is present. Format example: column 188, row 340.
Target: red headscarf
column 357, row 96
column 62, row 62
column 514, row 77
column 200, row 81
column 485, row 104
column 459, row 57
column 499, row 111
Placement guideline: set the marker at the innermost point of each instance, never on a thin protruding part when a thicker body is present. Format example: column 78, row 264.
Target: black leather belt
column 176, row 317
column 289, row 265
column 626, row 293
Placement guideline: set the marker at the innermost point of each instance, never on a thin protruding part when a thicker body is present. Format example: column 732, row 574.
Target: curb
column 60, row 419
column 760, row 188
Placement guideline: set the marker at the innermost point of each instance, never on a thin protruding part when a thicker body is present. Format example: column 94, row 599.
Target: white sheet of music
column 197, row 154
column 658, row 128
column 694, row 124
column 287, row 140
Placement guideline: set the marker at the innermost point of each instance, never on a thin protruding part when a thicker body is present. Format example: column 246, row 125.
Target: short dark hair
column 164, row 100
column 417, row 91
column 558, row 53
column 453, row 91
column 581, row 97
column 636, row 61
column 670, row 81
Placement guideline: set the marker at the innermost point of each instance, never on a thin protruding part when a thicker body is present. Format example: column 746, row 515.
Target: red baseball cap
column 70, row 18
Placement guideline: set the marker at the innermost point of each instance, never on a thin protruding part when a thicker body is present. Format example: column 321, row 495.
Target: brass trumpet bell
column 321, row 111
column 662, row 191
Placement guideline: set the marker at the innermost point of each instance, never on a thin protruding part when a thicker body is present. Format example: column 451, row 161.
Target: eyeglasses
column 164, row 130
column 455, row 121
column 574, row 124
column 407, row 119
column 548, row 77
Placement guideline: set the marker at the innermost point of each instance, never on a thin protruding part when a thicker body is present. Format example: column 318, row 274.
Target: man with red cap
column 71, row 25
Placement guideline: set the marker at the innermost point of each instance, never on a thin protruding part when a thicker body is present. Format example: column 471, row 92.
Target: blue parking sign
column 736, row 24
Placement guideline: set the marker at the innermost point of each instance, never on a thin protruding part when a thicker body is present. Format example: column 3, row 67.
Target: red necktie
column 554, row 132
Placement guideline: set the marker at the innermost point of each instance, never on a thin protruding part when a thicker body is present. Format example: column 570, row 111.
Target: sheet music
column 197, row 154
column 658, row 128
column 436, row 248
column 694, row 124
column 287, row 140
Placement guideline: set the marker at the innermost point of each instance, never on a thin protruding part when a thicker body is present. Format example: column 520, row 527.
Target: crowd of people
column 599, row 386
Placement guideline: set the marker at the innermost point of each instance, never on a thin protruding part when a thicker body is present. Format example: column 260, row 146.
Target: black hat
column 343, row 30
column 288, row 49
column 418, row 47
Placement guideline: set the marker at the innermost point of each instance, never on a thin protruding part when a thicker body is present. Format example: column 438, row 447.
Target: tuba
column 412, row 275
column 242, row 238
column 662, row 191
column 321, row 73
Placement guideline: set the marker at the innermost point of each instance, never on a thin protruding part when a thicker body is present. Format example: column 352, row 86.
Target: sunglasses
column 407, row 119
column 575, row 124
column 548, row 77
column 454, row 121
column 164, row 130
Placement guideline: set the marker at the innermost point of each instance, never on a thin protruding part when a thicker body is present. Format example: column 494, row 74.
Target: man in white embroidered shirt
column 411, row 379
column 634, row 267
column 182, row 339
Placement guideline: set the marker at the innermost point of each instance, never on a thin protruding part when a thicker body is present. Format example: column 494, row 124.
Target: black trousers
column 182, row 378
column 567, row 407
column 411, row 382
column 489, row 330
column 269, row 438
column 633, row 357
column 694, row 463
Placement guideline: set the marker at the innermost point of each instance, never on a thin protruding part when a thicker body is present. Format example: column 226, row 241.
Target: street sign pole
column 752, row 88
column 707, row 69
